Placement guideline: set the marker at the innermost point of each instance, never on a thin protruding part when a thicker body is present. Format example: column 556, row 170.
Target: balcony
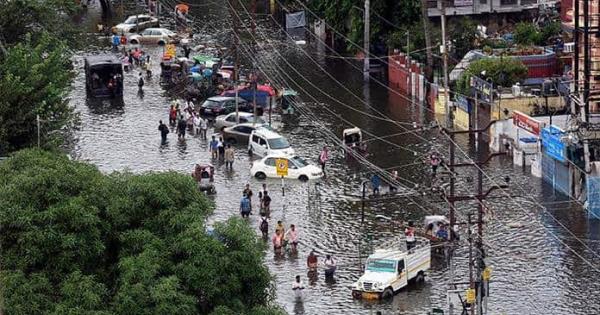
column 474, row 7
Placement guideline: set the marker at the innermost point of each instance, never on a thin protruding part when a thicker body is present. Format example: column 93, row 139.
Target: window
column 298, row 161
column 130, row 20
column 243, row 120
column 255, row 139
column 270, row 162
column 147, row 32
column 157, row 33
column 231, row 118
column 381, row 265
column 400, row 266
column 262, row 142
column 210, row 104
column 244, row 129
column 291, row 165
column 278, row 143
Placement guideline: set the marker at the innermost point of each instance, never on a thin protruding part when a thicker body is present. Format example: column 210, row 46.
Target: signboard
column 552, row 143
column 463, row 3
column 282, row 167
column 483, row 87
column 523, row 121
column 294, row 20
column 463, row 103
column 470, row 296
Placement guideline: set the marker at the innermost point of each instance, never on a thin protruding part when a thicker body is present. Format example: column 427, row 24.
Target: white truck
column 389, row 270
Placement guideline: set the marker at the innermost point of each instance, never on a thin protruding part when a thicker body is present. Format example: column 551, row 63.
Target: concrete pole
column 366, row 65
column 449, row 114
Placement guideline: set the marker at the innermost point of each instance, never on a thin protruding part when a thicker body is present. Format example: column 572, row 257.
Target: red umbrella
column 183, row 8
column 266, row 88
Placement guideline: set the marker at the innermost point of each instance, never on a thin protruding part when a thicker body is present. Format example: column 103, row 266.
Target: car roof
column 103, row 59
column 267, row 133
column 241, row 114
column 158, row 29
column 281, row 155
column 139, row 15
column 224, row 98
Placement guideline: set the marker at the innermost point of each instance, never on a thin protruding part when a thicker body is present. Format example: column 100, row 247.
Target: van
column 264, row 141
column 103, row 76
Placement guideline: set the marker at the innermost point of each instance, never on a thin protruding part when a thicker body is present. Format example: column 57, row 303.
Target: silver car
column 229, row 120
column 136, row 23
column 153, row 36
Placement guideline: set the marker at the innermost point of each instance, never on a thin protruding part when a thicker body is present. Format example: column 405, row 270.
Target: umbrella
column 195, row 76
column 266, row 88
column 195, row 69
column 183, row 8
column 207, row 73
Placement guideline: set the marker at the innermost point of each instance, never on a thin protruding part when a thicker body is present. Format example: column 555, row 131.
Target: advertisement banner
column 462, row 3
column 463, row 103
column 552, row 143
column 523, row 121
column 294, row 20
column 483, row 87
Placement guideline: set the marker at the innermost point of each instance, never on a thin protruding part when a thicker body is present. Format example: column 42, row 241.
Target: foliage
column 75, row 241
column 34, row 78
column 502, row 71
column 527, row 34
column 463, row 36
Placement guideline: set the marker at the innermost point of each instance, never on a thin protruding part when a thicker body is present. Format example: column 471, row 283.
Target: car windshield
column 167, row 32
column 278, row 143
column 300, row 162
column 381, row 265
column 211, row 104
column 130, row 20
column 258, row 120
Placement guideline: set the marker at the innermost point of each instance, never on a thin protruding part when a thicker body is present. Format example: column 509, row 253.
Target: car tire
column 231, row 141
column 387, row 293
column 133, row 42
column 161, row 43
column 260, row 175
column 303, row 178
column 420, row 277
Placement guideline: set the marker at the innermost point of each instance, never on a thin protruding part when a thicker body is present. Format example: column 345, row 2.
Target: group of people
column 282, row 238
column 312, row 262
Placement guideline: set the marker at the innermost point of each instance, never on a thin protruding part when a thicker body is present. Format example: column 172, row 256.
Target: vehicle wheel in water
column 420, row 277
column 161, row 43
column 387, row 293
column 260, row 175
column 303, row 178
column 133, row 42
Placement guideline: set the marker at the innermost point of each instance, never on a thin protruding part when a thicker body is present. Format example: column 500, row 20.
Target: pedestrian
column 435, row 161
column 172, row 115
column 214, row 143
column 277, row 240
column 245, row 208
column 298, row 287
column 221, row 148
column 229, row 157
column 196, row 123
column 164, row 131
column 312, row 261
column 393, row 187
column 140, row 81
column 181, row 125
column 264, row 227
column 330, row 266
column 292, row 237
column 409, row 233
column 130, row 58
column 265, row 204
column 203, row 127
column 123, row 40
column 375, row 183
column 323, row 158
column 116, row 40
column 248, row 192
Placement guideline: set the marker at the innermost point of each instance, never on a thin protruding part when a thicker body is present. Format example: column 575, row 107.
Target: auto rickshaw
column 204, row 176
column 288, row 99
column 352, row 138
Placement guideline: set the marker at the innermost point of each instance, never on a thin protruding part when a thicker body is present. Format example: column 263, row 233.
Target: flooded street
column 543, row 261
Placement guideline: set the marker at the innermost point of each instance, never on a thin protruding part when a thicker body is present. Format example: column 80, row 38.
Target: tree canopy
column 76, row 241
column 504, row 71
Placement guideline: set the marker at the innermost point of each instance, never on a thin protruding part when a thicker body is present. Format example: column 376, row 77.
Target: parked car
column 135, row 23
column 298, row 168
column 230, row 120
column 239, row 133
column 222, row 105
column 154, row 36
column 265, row 141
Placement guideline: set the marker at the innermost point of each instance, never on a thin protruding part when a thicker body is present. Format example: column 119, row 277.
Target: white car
column 153, row 36
column 264, row 141
column 135, row 23
column 229, row 120
column 298, row 168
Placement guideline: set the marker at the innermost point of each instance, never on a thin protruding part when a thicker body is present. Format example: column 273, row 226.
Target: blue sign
column 552, row 143
column 593, row 197
column 463, row 103
column 483, row 87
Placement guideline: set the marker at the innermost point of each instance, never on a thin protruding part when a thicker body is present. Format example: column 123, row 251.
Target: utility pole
column 449, row 113
column 471, row 279
column 408, row 61
column 366, row 66
column 37, row 120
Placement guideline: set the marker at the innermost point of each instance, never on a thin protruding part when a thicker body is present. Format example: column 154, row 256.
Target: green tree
column 502, row 71
column 34, row 79
column 75, row 241
column 527, row 34
column 463, row 35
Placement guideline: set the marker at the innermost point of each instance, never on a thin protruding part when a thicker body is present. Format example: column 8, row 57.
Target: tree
column 527, row 34
column 463, row 35
column 502, row 72
column 75, row 241
column 34, row 79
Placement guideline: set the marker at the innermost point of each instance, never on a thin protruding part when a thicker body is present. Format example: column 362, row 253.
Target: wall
column 407, row 76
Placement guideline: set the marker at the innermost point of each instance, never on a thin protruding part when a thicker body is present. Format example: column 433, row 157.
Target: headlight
column 377, row 284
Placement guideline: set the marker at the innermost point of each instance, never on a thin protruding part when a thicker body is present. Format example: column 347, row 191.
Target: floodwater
column 543, row 261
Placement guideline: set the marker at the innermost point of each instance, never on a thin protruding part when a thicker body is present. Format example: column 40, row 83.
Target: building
column 476, row 7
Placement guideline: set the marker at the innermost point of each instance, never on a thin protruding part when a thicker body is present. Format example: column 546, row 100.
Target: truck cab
column 389, row 270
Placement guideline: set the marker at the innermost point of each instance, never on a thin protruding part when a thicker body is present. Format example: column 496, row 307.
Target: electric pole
column 366, row 66
column 449, row 113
